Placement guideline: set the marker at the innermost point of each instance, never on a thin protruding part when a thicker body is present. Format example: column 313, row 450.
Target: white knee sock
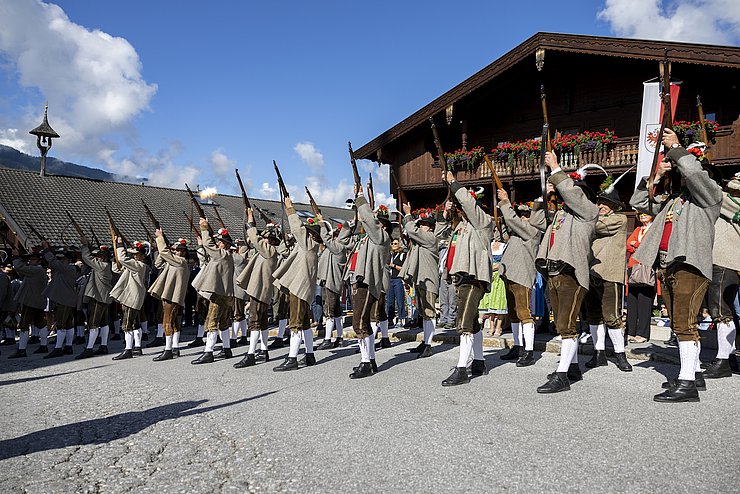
column 225, row 339
column 528, row 332
column 370, row 341
column 697, row 367
column 689, row 353
column 425, row 328
column 617, row 338
column 137, row 338
column 34, row 331
column 295, row 344
column 725, row 339
column 574, row 360
column 383, row 328
column 328, row 328
column 308, row 340
column 339, row 326
column 568, row 349
column 243, row 327
column 234, row 329
column 92, row 338
column 429, row 327
column 253, row 337
column 70, row 335
column 264, row 335
column 364, row 353
column 516, row 331
column 44, row 335
column 160, row 330
column 466, row 348
column 117, row 326
column 104, row 335
column 168, row 342
column 598, row 336
column 23, row 340
column 477, row 345
column 282, row 324
column 211, row 338
column 61, row 338
column 129, row 338
column 175, row 340
column 80, row 330
column 374, row 328
column 201, row 331
column 144, row 327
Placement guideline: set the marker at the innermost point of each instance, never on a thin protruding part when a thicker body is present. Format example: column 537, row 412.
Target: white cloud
column 267, row 191
column 381, row 174
column 695, row 21
column 159, row 169
column 9, row 137
column 310, row 155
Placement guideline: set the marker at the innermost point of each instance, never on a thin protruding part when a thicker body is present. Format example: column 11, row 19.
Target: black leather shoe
column 233, row 343
column 574, row 373
column 558, row 381
column 126, row 354
column 42, row 349
column 419, row 348
column 325, row 345
column 7, row 341
column 373, row 366
column 513, row 353
column 165, row 355
column 673, row 340
column 339, row 342
column 526, row 359
column 57, row 352
column 718, row 369
column 196, row 343
column 224, row 353
column 137, row 351
column 34, row 340
column 158, row 341
column 261, row 355
column 622, row 363
column 733, row 363
column 247, row 361
column 291, row 363
column 19, row 354
column 68, row 350
column 116, row 337
column 365, row 369
column 102, row 350
column 706, row 365
column 242, row 341
column 385, row 342
column 86, row 353
column 597, row 360
column 458, row 376
column 308, row 359
column 682, row 391
column 144, row 336
column 78, row 340
column 205, row 358
column 175, row 353
column 478, row 368
column 427, row 352
column 276, row 343
column 701, row 384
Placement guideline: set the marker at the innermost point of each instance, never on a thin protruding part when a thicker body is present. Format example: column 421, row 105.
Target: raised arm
column 370, row 223
column 423, row 239
column 478, row 218
column 518, row 227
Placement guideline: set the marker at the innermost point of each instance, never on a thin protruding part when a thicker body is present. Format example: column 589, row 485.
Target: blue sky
column 186, row 91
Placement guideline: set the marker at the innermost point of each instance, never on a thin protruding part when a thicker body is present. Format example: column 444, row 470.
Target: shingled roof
column 27, row 198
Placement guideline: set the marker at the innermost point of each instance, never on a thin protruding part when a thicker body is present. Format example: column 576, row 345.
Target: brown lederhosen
column 32, row 316
column 257, row 314
column 427, row 303
column 64, row 316
column 332, row 303
column 362, row 308
column 517, row 301
column 566, row 296
column 239, row 313
column 683, row 293
column 97, row 314
column 299, row 314
column 171, row 320
column 469, row 295
column 602, row 303
column 130, row 319
column 721, row 293
column 280, row 305
column 219, row 310
column 201, row 310
column 377, row 312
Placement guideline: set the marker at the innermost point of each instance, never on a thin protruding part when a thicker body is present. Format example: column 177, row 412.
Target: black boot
column 276, row 343
column 574, row 373
column 427, row 352
column 365, row 369
column 597, row 360
column 673, row 340
column 19, row 354
column 233, row 343
column 262, row 355
column 137, row 351
column 205, row 358
column 682, row 391
column 42, row 349
column 309, row 359
column 325, row 345
column 458, row 376
column 158, row 341
column 144, row 336
column 513, row 353
column 339, row 342
column 385, row 342
column 57, row 352
column 79, row 340
column 247, row 361
column 291, row 363
column 68, row 350
column 34, row 340
column 558, row 381
column 102, row 350
column 622, row 363
column 719, row 368
column 196, row 342
column 478, row 368
column 165, row 355
column 175, row 353
column 243, row 341
column 419, row 348
column 706, row 365
column 224, row 353
column 701, row 384
column 733, row 363
column 116, row 337
column 526, row 359
column 126, row 354
column 86, row 353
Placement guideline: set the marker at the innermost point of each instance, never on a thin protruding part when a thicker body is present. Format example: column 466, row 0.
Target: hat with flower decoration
column 223, row 235
column 425, row 216
column 313, row 226
column 139, row 247
column 102, row 251
column 579, row 179
column 181, row 244
column 383, row 216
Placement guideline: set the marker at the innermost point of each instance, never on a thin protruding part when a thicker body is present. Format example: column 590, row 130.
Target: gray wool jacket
column 694, row 216
column 174, row 276
column 421, row 268
column 727, row 235
column 241, row 259
column 34, row 283
column 517, row 263
column 297, row 274
column 100, row 280
column 609, row 249
column 130, row 289
column 62, row 288
column 256, row 277
column 334, row 258
column 577, row 223
column 217, row 276
column 373, row 252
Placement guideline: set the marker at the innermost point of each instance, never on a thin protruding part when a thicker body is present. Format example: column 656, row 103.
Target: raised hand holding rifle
column 666, row 123
column 358, row 184
column 199, row 208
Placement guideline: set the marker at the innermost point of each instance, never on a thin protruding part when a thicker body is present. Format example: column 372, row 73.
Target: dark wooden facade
column 591, row 83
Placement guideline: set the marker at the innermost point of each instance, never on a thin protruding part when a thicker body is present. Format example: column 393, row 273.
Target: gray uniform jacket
column 100, row 281
column 373, row 252
column 172, row 282
column 726, row 251
column 610, row 248
column 694, row 216
column 130, row 289
column 334, row 258
column 421, row 267
column 217, row 276
column 34, row 283
column 62, row 288
column 517, row 263
column 256, row 277
column 241, row 259
column 297, row 273
column 576, row 224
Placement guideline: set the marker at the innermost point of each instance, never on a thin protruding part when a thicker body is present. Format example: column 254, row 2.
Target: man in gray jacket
column 61, row 293
column 331, row 267
column 97, row 297
column 29, row 297
column 679, row 243
column 130, row 291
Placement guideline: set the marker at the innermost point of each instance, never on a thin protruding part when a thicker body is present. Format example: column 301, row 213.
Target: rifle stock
column 355, row 172
column 75, row 225
column 314, row 206
column 546, row 119
column 245, row 199
column 218, row 216
column 543, row 178
column 113, row 234
column 192, row 225
column 281, row 184
column 702, row 121
column 371, row 192
column 148, row 234
column 95, row 238
column 199, row 208
column 36, row 232
column 155, row 223
column 666, row 123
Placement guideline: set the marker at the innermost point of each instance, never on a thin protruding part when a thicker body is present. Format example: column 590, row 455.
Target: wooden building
column 592, row 83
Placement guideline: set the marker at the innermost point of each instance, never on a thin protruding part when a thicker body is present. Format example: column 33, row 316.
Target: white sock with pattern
column 144, row 327
column 44, row 335
column 295, row 344
column 568, row 349
column 339, row 326
column 364, row 354
column 598, row 336
column 282, row 324
column 23, row 340
column 61, row 338
column 264, row 335
column 211, row 338
column 383, row 328
column 689, row 353
column 201, row 331
column 104, row 331
column 253, row 337
column 175, row 340
column 429, row 331
column 466, row 348
column 328, row 328
column 128, row 337
column 225, row 340
column 168, row 342
column 308, row 340
column 528, row 332
column 137, row 338
column 725, row 339
column 371, row 347
column 160, row 330
column 91, row 340
column 617, row 337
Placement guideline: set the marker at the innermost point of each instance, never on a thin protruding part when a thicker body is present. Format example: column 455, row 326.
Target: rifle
column 192, row 225
column 218, row 216
column 371, row 192
column 75, row 224
column 36, row 232
column 114, row 232
column 95, row 238
column 262, row 214
column 245, row 199
column 543, row 178
column 496, row 185
column 314, row 206
column 441, row 155
column 355, row 173
column 155, row 224
column 667, row 122
column 283, row 190
column 148, row 234
column 199, row 208
column 704, row 135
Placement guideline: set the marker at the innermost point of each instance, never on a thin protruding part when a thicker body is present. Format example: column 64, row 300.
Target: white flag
column 652, row 115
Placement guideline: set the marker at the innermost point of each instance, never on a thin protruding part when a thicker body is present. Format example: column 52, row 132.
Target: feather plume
column 611, row 187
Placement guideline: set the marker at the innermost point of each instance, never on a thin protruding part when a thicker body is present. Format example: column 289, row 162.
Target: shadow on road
column 47, row 376
column 106, row 429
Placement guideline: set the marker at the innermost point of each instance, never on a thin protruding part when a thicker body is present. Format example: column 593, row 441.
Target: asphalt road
column 139, row 426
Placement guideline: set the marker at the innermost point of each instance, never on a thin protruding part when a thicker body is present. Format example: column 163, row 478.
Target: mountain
column 14, row 159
